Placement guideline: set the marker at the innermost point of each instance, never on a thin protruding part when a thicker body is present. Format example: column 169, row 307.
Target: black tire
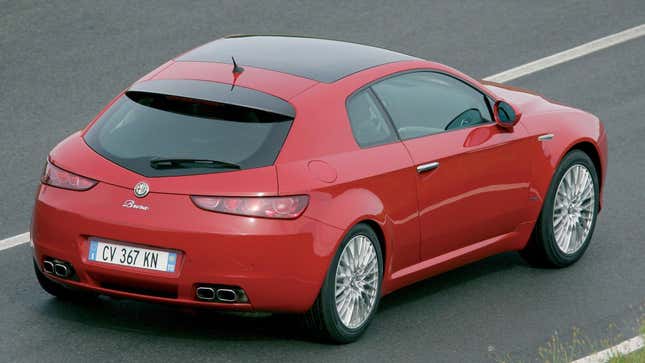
column 322, row 319
column 542, row 249
column 58, row 290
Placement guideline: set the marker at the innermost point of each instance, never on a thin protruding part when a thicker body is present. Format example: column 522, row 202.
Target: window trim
column 488, row 97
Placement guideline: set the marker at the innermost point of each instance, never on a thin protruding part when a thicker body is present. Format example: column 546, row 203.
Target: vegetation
column 635, row 357
column 569, row 347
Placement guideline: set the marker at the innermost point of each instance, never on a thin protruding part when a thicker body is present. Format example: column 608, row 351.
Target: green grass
column 564, row 348
column 635, row 357
column 568, row 347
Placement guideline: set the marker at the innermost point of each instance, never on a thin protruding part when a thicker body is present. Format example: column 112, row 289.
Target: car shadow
column 451, row 279
column 172, row 321
column 202, row 324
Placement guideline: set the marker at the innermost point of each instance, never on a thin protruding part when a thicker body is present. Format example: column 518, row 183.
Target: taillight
column 57, row 177
column 267, row 207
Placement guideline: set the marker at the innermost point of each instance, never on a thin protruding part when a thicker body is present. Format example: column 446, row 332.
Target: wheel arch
column 550, row 155
column 352, row 207
column 591, row 150
column 378, row 230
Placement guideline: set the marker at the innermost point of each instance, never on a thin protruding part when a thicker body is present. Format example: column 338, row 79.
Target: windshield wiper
column 191, row 163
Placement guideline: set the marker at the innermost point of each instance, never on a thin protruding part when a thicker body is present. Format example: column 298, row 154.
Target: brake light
column 267, row 207
column 57, row 177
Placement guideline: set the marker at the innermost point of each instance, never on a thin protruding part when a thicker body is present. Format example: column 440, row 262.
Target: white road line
column 14, row 241
column 626, row 347
column 567, row 55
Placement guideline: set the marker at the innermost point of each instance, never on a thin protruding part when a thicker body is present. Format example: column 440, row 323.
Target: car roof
column 322, row 60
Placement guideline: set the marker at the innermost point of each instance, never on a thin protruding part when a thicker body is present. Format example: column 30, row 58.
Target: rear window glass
column 162, row 135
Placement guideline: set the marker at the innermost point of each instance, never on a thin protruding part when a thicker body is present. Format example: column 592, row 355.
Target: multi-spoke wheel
column 574, row 209
column 351, row 291
column 566, row 223
column 357, row 279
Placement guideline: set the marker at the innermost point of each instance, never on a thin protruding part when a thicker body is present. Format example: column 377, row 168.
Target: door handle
column 427, row 167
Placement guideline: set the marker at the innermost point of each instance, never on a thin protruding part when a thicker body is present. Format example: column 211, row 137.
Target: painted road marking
column 626, row 347
column 14, row 241
column 567, row 55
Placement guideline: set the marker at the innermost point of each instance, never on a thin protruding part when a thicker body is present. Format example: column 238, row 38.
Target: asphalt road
column 60, row 63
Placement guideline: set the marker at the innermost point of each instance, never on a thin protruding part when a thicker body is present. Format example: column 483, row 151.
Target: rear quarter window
column 369, row 125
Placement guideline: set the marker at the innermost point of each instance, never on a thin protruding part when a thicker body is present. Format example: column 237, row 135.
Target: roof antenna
column 237, row 70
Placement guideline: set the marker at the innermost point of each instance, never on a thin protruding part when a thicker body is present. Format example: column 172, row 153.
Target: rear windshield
column 164, row 135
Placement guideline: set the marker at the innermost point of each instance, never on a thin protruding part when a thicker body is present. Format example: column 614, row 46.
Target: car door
column 473, row 176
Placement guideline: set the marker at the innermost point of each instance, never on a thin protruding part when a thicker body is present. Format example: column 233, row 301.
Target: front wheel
column 351, row 291
column 568, row 218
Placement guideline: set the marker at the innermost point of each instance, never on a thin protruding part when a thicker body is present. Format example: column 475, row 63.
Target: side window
column 368, row 122
column 424, row 103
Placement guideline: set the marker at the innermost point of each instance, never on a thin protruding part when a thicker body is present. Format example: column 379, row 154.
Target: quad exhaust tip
column 226, row 295
column 221, row 294
column 48, row 266
column 58, row 268
column 205, row 293
column 61, row 270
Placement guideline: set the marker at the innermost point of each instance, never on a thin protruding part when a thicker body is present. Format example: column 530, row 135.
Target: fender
column 358, row 205
column 383, row 192
column 580, row 130
column 565, row 128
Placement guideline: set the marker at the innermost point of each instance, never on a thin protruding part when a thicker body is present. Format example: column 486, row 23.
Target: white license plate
column 123, row 255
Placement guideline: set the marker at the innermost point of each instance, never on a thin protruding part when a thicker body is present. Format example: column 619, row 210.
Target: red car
column 290, row 174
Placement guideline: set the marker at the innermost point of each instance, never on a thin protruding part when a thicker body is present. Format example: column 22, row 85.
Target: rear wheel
column 351, row 291
column 565, row 226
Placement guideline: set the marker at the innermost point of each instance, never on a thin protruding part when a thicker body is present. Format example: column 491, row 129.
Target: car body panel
column 380, row 191
column 479, row 191
column 541, row 116
column 278, row 263
column 483, row 199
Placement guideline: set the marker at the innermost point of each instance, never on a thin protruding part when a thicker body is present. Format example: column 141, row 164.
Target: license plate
column 145, row 258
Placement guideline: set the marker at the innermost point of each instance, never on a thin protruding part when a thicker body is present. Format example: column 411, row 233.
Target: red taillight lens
column 60, row 178
column 267, row 207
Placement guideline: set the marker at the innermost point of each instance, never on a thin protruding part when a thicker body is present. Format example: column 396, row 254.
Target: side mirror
column 505, row 115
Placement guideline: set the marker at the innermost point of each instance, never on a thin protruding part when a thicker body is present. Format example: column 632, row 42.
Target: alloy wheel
column 356, row 281
column 574, row 209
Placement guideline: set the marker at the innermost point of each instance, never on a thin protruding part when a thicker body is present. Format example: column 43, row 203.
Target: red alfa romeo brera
column 292, row 174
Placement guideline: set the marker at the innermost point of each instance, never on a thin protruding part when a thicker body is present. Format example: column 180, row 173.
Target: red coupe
column 291, row 174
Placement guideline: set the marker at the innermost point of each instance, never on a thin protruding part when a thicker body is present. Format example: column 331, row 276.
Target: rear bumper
column 280, row 264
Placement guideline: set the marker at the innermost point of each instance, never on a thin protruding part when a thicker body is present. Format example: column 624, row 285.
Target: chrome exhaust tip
column 226, row 295
column 221, row 294
column 48, row 267
column 61, row 270
column 205, row 293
